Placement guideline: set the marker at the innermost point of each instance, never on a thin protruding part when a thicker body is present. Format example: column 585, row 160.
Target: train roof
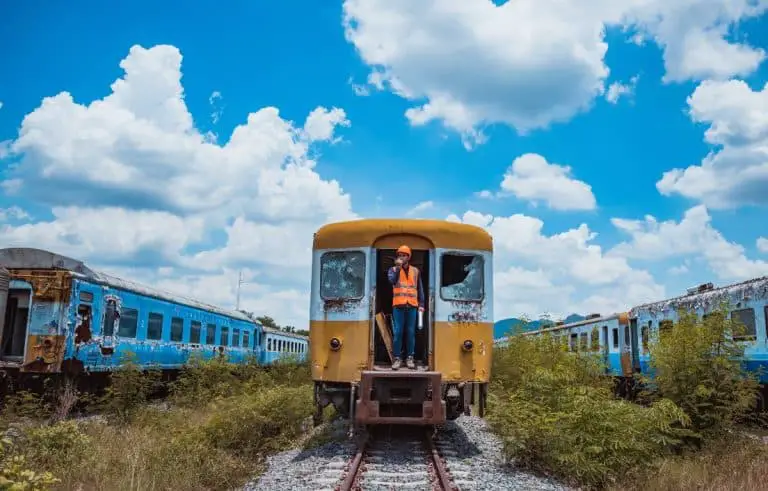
column 365, row 232
column 30, row 258
column 754, row 288
column 283, row 333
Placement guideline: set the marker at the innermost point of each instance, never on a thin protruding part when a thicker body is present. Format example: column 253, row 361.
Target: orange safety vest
column 405, row 290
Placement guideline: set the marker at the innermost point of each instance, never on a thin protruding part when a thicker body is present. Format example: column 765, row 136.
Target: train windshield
column 342, row 275
column 462, row 277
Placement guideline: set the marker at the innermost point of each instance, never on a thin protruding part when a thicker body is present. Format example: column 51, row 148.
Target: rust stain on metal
column 341, row 305
column 423, row 389
column 467, row 312
column 46, row 284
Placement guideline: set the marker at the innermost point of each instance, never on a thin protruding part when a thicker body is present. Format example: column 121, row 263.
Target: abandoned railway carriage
column 623, row 338
column 277, row 345
column 350, row 319
column 57, row 315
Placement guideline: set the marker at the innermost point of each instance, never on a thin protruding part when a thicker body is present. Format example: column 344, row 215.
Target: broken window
column 177, row 329
column 129, row 321
column 194, row 336
column 342, row 275
column 461, row 277
column 747, row 327
column 155, row 326
column 110, row 316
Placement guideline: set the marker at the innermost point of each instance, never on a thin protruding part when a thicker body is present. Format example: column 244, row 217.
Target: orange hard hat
column 404, row 249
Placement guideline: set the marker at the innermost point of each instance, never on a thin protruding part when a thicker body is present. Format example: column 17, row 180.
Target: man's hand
column 421, row 309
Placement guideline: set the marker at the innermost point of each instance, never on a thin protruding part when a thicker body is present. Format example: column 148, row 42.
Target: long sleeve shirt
column 393, row 274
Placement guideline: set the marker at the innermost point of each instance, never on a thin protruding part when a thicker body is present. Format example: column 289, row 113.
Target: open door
column 13, row 339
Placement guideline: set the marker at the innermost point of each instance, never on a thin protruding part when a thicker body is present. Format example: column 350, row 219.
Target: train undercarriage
column 400, row 397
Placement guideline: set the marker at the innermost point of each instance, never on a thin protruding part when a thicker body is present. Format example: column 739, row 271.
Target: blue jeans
column 404, row 318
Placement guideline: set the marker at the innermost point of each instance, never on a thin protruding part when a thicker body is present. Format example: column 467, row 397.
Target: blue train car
column 608, row 335
column 624, row 338
column 746, row 301
column 60, row 316
column 277, row 344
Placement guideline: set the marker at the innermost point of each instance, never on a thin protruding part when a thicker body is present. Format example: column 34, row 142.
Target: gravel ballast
column 472, row 452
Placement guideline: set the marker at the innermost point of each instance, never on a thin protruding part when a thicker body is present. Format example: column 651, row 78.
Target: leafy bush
column 697, row 365
column 259, row 423
column 129, row 389
column 16, row 474
column 556, row 412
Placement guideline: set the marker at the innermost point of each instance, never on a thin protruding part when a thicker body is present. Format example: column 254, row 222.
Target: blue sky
column 139, row 191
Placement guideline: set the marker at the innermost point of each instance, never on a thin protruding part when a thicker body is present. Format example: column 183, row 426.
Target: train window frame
column 615, row 343
column 246, row 339
column 746, row 337
column 224, row 336
column 481, row 269
column 175, row 324
column 85, row 296
column 210, row 334
column 324, row 257
column 150, row 324
column 645, row 334
column 236, row 336
column 594, row 339
column 111, row 322
column 192, row 330
column 126, row 315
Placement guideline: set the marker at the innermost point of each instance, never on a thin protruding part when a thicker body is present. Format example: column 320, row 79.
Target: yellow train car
column 350, row 321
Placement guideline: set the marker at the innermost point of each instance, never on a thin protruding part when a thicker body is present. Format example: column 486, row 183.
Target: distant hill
column 503, row 327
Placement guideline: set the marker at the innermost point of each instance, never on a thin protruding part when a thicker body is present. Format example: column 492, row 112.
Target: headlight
column 335, row 344
column 467, row 345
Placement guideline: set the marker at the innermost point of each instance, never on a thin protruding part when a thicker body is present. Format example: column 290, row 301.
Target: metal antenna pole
column 239, row 284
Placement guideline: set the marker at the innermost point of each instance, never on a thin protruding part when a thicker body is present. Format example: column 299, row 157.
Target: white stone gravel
column 472, row 452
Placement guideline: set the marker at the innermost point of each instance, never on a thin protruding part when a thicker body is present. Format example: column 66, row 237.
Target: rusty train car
column 59, row 316
column 350, row 312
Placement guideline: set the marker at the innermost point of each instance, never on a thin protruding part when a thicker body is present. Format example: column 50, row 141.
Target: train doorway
column 14, row 335
column 385, row 259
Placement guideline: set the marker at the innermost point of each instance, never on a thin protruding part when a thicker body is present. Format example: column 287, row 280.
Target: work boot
column 409, row 363
column 396, row 364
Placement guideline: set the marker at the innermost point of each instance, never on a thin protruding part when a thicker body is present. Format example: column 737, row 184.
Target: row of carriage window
column 591, row 341
column 128, row 322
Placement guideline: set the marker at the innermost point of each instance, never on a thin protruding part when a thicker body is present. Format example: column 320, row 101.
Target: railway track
column 398, row 458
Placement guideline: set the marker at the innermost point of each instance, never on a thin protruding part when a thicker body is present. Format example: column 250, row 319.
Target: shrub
column 16, row 474
column 556, row 412
column 129, row 388
column 255, row 424
column 697, row 365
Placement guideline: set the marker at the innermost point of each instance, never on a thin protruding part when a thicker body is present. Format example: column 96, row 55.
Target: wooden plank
column 386, row 335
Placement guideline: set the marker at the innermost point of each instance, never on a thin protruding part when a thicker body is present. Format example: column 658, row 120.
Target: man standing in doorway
column 407, row 299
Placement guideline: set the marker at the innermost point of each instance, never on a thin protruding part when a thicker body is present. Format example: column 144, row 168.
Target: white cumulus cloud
column 530, row 63
column 131, row 180
column 694, row 236
column 532, row 178
column 736, row 172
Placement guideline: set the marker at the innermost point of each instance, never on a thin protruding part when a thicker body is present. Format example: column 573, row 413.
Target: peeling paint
column 467, row 312
column 341, row 305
